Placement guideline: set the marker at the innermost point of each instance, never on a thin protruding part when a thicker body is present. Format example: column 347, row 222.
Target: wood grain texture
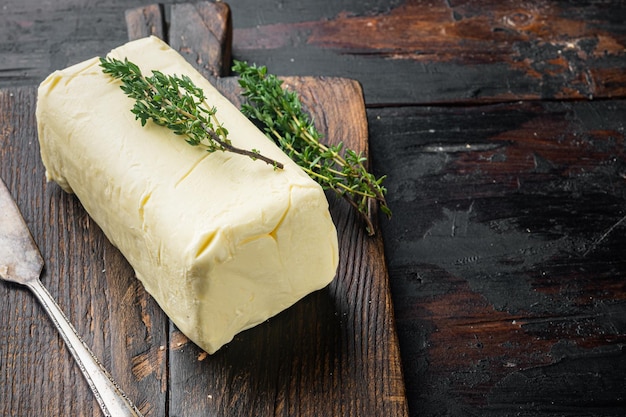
column 499, row 310
column 506, row 255
column 408, row 52
column 146, row 21
column 422, row 51
column 341, row 354
column 202, row 32
column 334, row 353
column 89, row 279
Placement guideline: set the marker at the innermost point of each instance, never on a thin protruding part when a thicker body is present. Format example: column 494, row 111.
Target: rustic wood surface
column 511, row 280
column 501, row 126
column 334, row 353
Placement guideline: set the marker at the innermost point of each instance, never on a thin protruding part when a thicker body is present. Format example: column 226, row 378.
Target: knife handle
column 112, row 400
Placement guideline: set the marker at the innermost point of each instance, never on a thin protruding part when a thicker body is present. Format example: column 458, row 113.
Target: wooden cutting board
column 335, row 353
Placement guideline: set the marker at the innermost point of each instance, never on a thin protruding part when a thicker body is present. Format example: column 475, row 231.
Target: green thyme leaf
column 286, row 123
column 176, row 103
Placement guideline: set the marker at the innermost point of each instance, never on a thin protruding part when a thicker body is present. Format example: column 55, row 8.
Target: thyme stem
column 333, row 167
column 175, row 102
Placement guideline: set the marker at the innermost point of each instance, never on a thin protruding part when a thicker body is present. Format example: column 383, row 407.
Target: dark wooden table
column 501, row 127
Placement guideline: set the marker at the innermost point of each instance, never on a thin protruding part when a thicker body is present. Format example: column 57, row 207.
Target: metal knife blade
column 20, row 260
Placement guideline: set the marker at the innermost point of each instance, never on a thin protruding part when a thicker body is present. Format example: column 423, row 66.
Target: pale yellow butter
column 220, row 241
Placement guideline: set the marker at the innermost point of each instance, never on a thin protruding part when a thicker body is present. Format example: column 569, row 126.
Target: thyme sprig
column 284, row 121
column 178, row 104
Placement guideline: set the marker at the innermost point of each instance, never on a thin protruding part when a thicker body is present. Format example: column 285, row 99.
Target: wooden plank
column 421, row 51
column 92, row 283
column 146, row 21
column 208, row 21
column 407, row 52
column 202, row 32
column 341, row 355
column 507, row 263
column 334, row 353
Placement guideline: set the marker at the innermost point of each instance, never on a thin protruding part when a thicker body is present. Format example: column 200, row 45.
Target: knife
column 21, row 262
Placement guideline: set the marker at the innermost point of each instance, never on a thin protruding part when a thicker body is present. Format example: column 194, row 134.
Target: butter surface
column 220, row 241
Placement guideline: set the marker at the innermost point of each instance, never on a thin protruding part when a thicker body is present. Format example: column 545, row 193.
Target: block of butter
column 221, row 242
